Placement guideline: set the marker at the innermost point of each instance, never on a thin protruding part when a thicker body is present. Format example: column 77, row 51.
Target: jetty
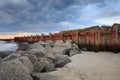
column 95, row 38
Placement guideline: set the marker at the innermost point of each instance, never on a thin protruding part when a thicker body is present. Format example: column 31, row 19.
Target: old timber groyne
column 95, row 38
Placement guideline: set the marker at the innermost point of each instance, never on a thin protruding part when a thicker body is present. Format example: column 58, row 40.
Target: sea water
column 4, row 46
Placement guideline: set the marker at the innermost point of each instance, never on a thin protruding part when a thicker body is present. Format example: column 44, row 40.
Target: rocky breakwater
column 33, row 61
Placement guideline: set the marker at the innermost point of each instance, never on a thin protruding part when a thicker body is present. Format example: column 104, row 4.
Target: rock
column 61, row 60
column 59, row 50
column 50, row 67
column 21, row 52
column 49, row 53
column 73, row 49
column 74, row 46
column 12, row 56
column 5, row 54
column 37, row 52
column 39, row 76
column 42, row 59
column 68, row 42
column 62, row 49
column 42, row 43
column 23, row 46
column 38, row 45
column 13, row 70
column 27, row 63
column 50, row 43
column 84, row 49
column 59, row 42
column 0, row 59
column 66, row 48
column 40, row 65
column 46, row 60
column 73, row 52
column 32, row 58
column 64, row 44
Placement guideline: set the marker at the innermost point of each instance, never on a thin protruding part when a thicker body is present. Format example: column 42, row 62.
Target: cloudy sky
column 37, row 16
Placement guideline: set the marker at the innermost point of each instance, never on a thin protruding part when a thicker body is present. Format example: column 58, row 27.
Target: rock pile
column 34, row 60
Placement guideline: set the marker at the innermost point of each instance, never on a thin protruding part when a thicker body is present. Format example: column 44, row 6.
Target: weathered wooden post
column 61, row 35
column 97, row 41
column 77, row 37
column 50, row 36
column 116, row 39
column 42, row 36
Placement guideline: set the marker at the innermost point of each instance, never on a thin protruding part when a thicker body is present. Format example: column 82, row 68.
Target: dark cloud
column 47, row 15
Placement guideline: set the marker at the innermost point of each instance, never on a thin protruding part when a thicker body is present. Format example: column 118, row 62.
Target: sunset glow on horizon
column 12, row 36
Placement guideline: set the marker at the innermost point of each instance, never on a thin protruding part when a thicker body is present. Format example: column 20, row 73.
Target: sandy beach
column 91, row 66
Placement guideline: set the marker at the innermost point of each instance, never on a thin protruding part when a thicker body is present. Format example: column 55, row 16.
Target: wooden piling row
column 105, row 38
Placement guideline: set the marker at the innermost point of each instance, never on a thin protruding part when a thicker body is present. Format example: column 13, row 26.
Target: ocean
column 4, row 46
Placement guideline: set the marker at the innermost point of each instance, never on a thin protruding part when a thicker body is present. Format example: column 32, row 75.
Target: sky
column 23, row 17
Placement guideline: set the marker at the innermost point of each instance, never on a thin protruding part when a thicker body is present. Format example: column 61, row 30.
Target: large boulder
column 42, row 43
column 37, row 52
column 27, row 63
column 60, row 47
column 49, row 52
column 5, row 53
column 74, row 50
column 40, row 65
column 59, row 42
column 61, row 60
column 13, row 70
column 38, row 45
column 66, row 48
column 12, row 56
column 0, row 59
column 74, row 46
column 50, row 67
column 59, row 50
column 44, row 76
column 43, row 59
column 68, row 42
column 32, row 58
column 50, row 43
column 21, row 52
column 23, row 46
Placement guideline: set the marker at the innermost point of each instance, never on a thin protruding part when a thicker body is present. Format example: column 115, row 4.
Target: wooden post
column 77, row 37
column 116, row 38
column 50, row 36
column 97, row 41
column 42, row 37
column 61, row 35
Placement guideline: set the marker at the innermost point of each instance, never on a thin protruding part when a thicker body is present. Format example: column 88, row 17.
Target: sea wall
column 95, row 38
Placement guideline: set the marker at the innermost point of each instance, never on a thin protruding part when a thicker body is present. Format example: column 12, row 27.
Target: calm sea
column 8, row 46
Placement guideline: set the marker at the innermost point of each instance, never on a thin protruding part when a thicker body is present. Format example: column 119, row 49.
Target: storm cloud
column 38, row 16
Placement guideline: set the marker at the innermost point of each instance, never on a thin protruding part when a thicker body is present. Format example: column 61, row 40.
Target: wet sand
column 91, row 66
